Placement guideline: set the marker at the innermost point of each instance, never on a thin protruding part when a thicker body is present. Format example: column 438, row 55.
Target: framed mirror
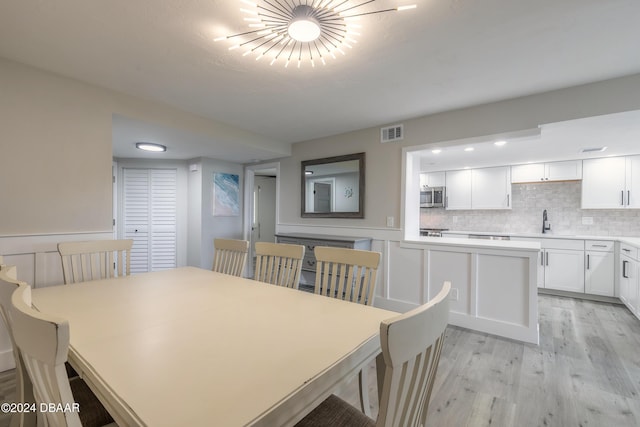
column 333, row 187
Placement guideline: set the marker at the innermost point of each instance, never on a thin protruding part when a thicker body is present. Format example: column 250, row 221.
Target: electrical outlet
column 453, row 294
column 389, row 221
column 587, row 220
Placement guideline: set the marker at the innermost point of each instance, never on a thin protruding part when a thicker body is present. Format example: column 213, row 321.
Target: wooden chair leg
column 363, row 386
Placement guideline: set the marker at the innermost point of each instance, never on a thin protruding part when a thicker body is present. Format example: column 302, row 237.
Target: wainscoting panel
column 38, row 263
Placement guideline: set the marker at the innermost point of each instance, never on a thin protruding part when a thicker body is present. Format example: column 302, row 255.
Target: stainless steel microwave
column 432, row 197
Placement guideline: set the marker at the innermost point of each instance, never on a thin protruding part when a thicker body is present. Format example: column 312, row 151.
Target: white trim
column 249, row 175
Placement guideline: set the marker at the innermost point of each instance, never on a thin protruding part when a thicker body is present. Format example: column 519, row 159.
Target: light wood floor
column 586, row 372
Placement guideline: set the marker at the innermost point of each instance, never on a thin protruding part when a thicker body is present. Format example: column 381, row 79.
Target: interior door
column 264, row 211
column 150, row 217
column 321, row 197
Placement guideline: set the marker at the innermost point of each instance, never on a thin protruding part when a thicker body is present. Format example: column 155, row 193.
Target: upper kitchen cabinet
column 432, row 179
column 458, row 195
column 491, row 188
column 485, row 188
column 555, row 171
column 611, row 183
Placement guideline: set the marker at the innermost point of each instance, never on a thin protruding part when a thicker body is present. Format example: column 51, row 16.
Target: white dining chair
column 23, row 387
column 279, row 263
column 347, row 274
column 230, row 256
column 350, row 275
column 43, row 341
column 96, row 259
column 411, row 346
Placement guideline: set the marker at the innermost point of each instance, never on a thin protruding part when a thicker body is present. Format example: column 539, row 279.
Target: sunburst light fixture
column 301, row 30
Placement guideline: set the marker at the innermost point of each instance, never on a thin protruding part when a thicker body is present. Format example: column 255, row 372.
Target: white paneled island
column 493, row 283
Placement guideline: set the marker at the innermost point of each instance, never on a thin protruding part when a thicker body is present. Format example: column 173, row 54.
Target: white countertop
column 631, row 240
column 477, row 243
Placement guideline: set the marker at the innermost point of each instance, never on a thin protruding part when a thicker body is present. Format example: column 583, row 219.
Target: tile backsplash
column 560, row 199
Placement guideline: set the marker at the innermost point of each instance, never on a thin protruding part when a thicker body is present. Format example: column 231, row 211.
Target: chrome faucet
column 545, row 224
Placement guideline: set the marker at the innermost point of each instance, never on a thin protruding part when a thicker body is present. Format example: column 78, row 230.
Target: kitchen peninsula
column 493, row 282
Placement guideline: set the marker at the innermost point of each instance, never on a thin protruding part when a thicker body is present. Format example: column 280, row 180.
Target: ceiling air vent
column 594, row 150
column 392, row 133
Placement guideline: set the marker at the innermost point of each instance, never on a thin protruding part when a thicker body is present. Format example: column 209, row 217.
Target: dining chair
column 96, row 259
column 230, row 256
column 43, row 341
column 23, row 387
column 348, row 274
column 411, row 345
column 279, row 263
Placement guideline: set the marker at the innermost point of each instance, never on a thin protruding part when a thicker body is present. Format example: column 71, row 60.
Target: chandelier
column 301, row 30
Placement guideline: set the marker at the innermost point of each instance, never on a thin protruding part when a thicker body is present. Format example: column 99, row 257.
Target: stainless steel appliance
column 432, row 197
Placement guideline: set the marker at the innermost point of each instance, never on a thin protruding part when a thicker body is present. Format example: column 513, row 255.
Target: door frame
column 249, row 175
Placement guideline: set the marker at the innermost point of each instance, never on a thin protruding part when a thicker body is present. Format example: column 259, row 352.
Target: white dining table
column 191, row 347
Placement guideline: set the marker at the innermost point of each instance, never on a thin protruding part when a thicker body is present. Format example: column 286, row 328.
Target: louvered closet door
column 150, row 217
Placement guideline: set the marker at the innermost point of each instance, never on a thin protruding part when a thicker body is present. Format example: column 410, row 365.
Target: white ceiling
column 446, row 54
column 618, row 133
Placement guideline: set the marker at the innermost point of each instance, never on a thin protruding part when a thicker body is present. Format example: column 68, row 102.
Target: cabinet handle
column 624, row 269
column 622, row 197
column 508, row 200
column 547, row 253
column 626, row 250
column 587, row 261
column 542, row 258
column 598, row 246
column 628, row 197
column 446, row 202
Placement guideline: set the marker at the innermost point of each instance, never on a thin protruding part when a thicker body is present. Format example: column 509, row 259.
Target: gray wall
column 384, row 161
column 560, row 199
column 56, row 154
column 203, row 226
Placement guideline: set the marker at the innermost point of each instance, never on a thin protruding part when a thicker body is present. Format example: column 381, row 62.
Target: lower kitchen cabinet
column 628, row 280
column 564, row 269
column 599, row 269
column 561, row 264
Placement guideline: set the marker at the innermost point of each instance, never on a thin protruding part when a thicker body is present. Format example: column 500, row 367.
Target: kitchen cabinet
column 546, row 172
column 564, row 269
column 599, row 278
column 632, row 181
column 561, row 263
column 432, row 179
column 611, row 183
column 458, row 193
column 484, row 188
column 628, row 278
column 491, row 188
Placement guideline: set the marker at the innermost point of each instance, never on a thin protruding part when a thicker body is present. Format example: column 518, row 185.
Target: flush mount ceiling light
column 150, row 146
column 301, row 30
column 500, row 143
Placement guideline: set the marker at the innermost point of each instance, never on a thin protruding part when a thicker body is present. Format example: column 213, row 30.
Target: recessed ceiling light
column 436, row 151
column 150, row 146
column 469, row 149
column 500, row 143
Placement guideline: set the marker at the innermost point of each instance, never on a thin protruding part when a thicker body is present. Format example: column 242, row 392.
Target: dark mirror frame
column 361, row 166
